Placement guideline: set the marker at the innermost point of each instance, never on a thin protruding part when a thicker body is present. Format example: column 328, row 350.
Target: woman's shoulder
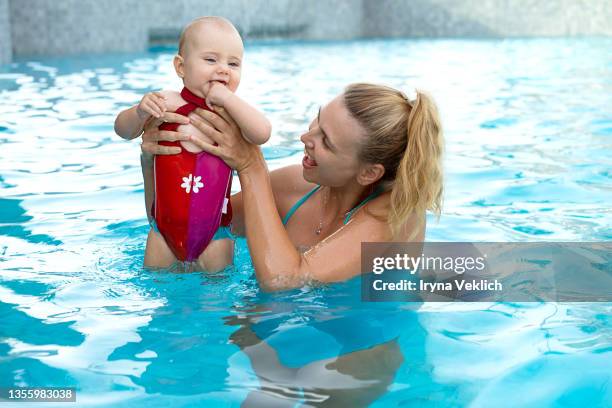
column 289, row 180
column 288, row 185
column 377, row 208
column 375, row 214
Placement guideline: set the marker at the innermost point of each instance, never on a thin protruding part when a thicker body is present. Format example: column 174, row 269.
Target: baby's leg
column 157, row 253
column 217, row 255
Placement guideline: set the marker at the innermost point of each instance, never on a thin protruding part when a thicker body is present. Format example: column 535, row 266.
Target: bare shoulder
column 170, row 94
column 173, row 99
column 288, row 185
column 372, row 217
column 375, row 216
column 289, row 180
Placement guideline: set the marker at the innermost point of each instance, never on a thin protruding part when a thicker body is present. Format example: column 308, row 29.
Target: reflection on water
column 528, row 128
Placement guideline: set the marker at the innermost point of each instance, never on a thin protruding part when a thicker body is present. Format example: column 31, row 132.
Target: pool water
column 528, row 128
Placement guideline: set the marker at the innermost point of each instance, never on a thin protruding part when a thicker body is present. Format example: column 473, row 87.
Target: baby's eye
column 234, row 64
column 208, row 59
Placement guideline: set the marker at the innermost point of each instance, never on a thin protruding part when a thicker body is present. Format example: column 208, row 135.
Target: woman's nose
column 305, row 138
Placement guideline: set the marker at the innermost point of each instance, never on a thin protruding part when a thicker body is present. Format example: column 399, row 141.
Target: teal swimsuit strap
column 298, row 204
column 301, row 201
column 373, row 195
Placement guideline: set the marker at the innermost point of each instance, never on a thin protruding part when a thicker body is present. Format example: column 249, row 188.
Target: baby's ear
column 178, row 65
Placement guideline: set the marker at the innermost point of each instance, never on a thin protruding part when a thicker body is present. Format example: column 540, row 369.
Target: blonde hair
column 212, row 20
column 406, row 138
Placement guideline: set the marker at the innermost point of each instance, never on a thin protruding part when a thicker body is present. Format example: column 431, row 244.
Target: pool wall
column 41, row 27
column 5, row 33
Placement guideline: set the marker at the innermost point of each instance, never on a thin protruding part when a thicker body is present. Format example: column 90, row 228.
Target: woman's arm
column 278, row 265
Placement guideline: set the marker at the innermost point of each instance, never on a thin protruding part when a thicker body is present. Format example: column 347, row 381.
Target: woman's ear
column 178, row 66
column 370, row 173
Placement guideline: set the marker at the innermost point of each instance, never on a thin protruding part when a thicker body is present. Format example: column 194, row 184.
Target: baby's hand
column 217, row 95
column 152, row 104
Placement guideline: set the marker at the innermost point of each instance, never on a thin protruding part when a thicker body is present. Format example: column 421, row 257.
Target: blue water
column 528, row 128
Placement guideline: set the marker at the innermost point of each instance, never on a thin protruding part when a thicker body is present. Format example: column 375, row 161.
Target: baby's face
column 211, row 54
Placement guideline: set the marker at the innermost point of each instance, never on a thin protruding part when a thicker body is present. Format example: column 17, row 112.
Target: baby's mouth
column 219, row 81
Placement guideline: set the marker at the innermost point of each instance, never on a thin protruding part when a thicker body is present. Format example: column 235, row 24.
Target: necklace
column 323, row 205
column 324, row 200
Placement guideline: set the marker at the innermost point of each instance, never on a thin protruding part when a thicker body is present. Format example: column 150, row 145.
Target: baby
column 209, row 62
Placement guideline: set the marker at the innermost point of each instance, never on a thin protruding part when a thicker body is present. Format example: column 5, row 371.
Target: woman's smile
column 308, row 162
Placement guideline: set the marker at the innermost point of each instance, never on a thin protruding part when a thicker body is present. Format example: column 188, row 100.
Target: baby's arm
column 254, row 125
column 130, row 122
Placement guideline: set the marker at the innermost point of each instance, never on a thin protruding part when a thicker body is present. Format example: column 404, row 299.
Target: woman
column 372, row 167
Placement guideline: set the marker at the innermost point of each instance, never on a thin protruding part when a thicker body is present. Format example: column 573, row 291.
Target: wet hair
column 212, row 20
column 406, row 138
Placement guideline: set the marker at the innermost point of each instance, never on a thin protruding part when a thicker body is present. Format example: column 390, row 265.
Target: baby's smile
column 220, row 81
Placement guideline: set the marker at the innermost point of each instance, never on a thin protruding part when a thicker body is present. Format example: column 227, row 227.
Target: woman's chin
column 308, row 175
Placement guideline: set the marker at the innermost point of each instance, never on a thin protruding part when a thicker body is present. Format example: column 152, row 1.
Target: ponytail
column 406, row 138
column 418, row 184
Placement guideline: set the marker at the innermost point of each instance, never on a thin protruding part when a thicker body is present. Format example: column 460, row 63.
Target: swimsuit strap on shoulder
column 306, row 196
column 373, row 195
column 298, row 204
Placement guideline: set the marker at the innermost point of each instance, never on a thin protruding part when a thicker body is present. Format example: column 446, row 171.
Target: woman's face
column 332, row 145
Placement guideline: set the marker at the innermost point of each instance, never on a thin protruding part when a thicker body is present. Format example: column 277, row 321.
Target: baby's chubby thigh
column 191, row 130
column 217, row 255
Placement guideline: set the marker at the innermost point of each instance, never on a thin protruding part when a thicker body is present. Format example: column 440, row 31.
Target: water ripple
column 527, row 125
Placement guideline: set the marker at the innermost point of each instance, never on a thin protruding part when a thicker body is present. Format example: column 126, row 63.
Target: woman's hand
column 152, row 135
column 230, row 146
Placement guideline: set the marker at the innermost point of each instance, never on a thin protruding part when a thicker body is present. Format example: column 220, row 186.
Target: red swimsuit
column 192, row 192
